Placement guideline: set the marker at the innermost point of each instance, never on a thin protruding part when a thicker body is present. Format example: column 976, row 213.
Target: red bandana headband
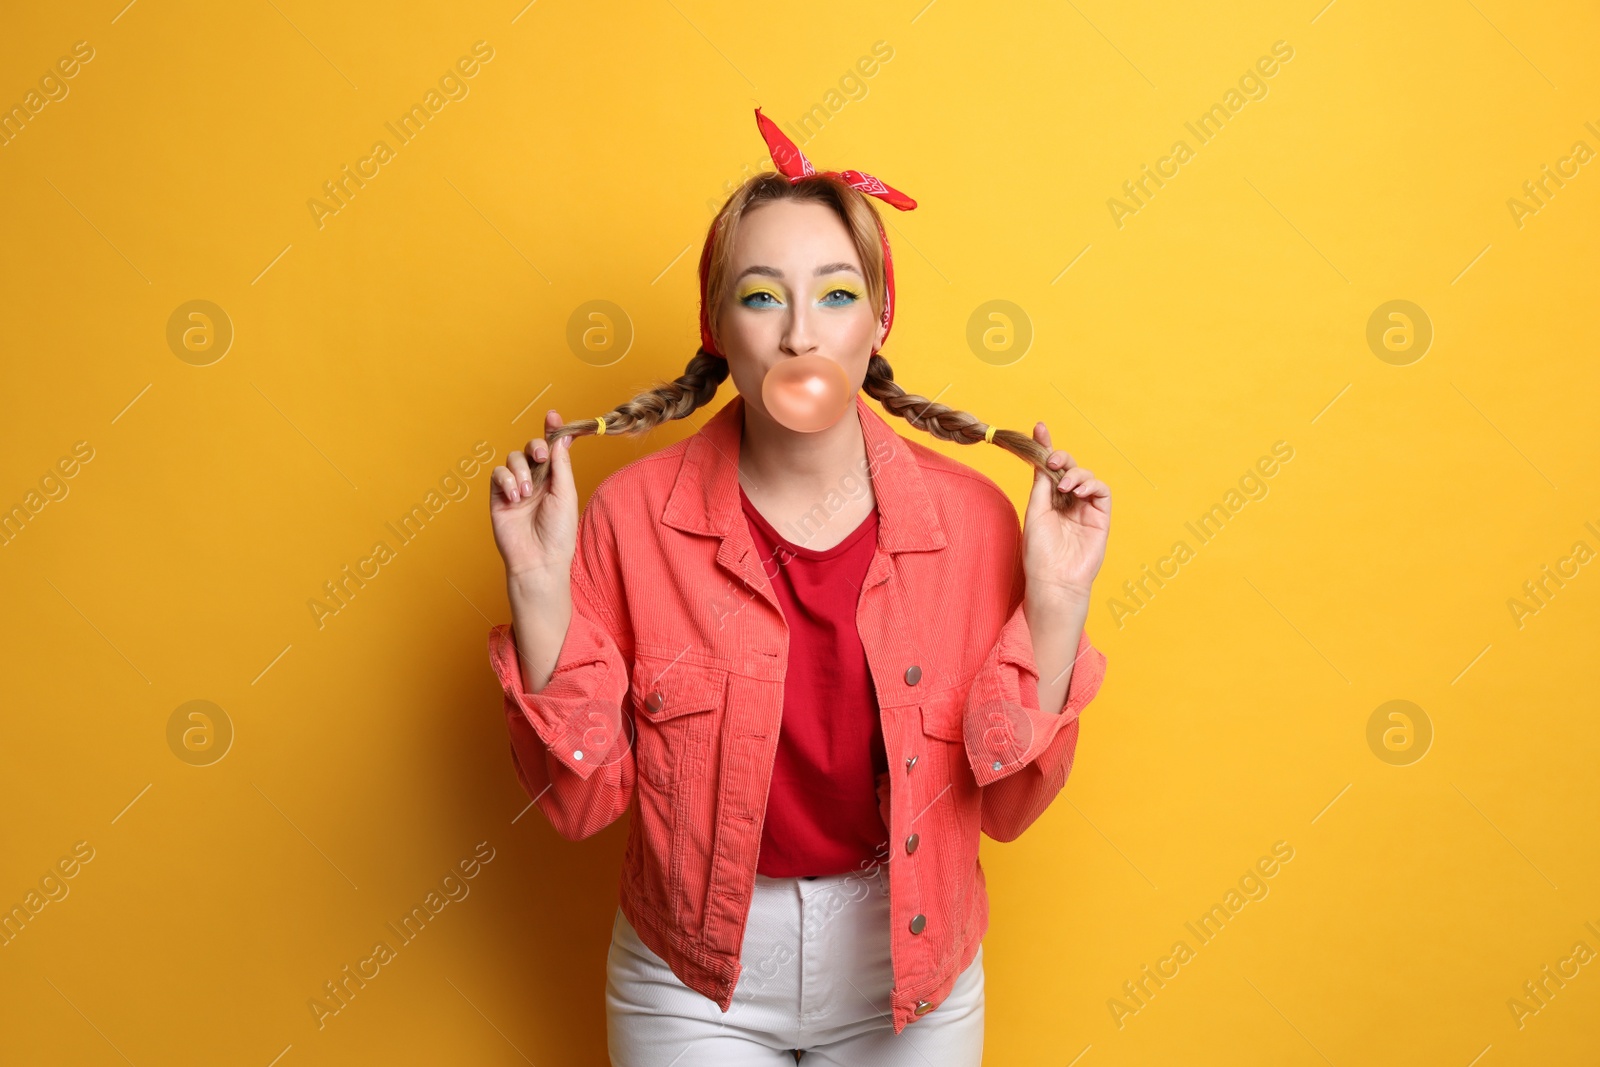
column 793, row 164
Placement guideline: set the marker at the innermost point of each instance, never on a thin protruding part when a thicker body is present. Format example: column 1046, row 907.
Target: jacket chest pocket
column 678, row 707
column 945, row 740
column 942, row 716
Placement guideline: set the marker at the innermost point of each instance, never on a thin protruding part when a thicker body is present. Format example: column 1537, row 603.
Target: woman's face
column 797, row 290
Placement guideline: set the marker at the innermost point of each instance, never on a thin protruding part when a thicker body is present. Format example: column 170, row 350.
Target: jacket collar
column 705, row 495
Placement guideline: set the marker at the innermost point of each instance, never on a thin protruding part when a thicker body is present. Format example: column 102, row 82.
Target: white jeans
column 816, row 977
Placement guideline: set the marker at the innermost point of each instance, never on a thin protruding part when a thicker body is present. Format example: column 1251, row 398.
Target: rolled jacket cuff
column 1005, row 729
column 578, row 714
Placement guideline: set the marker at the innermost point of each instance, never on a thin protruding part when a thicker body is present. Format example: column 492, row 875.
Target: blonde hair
column 698, row 383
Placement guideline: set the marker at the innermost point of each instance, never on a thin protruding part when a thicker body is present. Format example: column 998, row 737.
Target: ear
column 882, row 330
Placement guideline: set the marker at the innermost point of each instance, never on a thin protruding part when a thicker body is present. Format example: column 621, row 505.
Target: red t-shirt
column 822, row 806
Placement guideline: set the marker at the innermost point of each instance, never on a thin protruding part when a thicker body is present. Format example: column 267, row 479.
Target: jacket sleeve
column 1021, row 755
column 571, row 742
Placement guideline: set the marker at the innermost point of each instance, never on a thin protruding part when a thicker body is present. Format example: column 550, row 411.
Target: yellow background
column 370, row 754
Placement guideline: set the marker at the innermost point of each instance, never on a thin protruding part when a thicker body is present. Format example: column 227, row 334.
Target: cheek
column 858, row 326
column 745, row 341
column 747, row 376
column 740, row 324
column 745, row 369
column 863, row 335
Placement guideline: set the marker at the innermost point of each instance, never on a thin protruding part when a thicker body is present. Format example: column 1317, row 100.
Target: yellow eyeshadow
column 848, row 286
column 748, row 290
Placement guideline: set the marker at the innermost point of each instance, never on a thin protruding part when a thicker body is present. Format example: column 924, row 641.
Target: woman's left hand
column 1062, row 550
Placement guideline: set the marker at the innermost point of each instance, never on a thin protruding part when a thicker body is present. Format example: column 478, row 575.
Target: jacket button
column 995, row 766
column 918, row 922
column 911, row 843
column 911, row 761
column 578, row 754
column 924, row 1007
column 913, row 674
column 655, row 701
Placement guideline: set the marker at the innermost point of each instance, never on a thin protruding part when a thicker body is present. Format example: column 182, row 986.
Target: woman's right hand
column 536, row 526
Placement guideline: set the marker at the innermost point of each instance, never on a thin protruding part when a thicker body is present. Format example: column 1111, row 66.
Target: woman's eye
column 756, row 299
column 845, row 297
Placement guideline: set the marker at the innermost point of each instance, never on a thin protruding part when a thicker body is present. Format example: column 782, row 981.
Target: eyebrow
column 774, row 272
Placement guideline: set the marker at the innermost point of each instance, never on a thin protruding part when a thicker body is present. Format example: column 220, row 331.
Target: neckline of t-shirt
column 868, row 523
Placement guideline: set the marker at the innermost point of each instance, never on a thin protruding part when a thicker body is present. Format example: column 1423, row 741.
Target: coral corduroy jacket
column 667, row 694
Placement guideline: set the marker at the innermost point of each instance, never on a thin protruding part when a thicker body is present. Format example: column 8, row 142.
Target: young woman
column 813, row 665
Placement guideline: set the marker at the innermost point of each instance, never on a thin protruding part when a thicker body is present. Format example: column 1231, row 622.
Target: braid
column 677, row 399
column 950, row 424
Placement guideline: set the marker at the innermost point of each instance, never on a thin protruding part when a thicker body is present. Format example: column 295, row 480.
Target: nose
column 799, row 335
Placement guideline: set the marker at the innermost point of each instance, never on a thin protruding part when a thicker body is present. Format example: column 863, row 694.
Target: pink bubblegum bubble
column 807, row 393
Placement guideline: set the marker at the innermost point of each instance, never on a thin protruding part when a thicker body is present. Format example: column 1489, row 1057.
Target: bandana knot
column 793, row 164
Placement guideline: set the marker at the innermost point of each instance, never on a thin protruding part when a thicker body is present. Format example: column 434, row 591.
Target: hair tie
column 988, row 435
column 600, row 428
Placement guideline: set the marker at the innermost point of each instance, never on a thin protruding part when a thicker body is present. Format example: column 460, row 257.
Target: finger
column 1058, row 459
column 505, row 483
column 1087, row 485
column 1093, row 489
column 1071, row 478
column 517, row 464
column 561, row 481
column 538, row 448
column 1041, row 433
column 1042, row 493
